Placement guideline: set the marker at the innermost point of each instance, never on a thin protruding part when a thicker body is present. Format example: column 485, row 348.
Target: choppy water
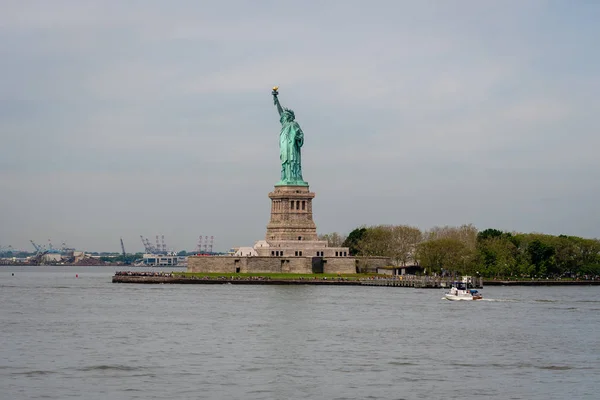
column 62, row 336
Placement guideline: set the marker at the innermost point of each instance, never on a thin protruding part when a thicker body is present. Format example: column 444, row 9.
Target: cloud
column 149, row 118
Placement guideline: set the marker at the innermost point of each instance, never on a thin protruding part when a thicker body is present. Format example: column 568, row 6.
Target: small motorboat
column 461, row 291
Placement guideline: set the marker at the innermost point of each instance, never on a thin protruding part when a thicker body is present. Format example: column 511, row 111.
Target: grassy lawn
column 273, row 276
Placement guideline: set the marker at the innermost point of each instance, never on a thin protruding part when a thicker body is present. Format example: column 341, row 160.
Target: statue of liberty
column 291, row 139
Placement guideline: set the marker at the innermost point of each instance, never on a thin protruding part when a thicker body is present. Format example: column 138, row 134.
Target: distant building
column 78, row 256
column 245, row 252
column 51, row 258
column 404, row 270
column 162, row 260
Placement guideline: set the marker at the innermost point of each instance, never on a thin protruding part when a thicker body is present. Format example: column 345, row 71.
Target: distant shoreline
column 177, row 279
column 216, row 281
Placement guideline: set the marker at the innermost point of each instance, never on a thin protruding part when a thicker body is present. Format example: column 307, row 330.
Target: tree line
column 490, row 253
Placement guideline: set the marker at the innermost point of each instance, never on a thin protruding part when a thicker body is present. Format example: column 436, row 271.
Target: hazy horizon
column 155, row 118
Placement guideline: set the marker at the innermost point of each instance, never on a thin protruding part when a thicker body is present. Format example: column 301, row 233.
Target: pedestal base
column 291, row 214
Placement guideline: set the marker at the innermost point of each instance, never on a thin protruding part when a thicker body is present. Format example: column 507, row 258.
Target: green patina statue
column 291, row 139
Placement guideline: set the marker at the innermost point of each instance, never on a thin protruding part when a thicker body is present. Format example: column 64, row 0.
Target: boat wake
column 501, row 300
column 493, row 300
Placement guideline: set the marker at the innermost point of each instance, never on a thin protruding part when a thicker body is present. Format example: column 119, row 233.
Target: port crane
column 125, row 260
column 40, row 252
column 147, row 245
column 159, row 248
column 38, row 248
column 51, row 248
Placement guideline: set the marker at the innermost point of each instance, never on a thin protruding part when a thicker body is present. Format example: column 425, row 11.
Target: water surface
column 64, row 336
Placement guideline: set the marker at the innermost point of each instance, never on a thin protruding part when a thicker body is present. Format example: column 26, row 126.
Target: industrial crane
column 51, row 248
column 147, row 246
column 39, row 249
column 125, row 260
column 40, row 252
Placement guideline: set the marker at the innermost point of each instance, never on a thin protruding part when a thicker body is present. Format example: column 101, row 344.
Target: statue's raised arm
column 276, row 100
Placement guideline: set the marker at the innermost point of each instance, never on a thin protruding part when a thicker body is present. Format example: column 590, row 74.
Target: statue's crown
column 287, row 110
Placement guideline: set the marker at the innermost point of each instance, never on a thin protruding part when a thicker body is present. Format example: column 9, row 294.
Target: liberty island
column 291, row 245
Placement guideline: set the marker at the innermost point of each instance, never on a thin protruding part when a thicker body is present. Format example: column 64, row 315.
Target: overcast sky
column 121, row 119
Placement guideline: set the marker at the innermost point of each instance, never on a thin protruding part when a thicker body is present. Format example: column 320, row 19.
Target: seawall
column 221, row 281
column 405, row 281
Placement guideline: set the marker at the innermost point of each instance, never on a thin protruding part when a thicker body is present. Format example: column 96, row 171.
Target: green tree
column 449, row 254
column 353, row 239
column 467, row 234
column 404, row 244
column 590, row 269
column 542, row 253
column 489, row 233
column 565, row 256
column 376, row 241
column 496, row 256
column 589, row 251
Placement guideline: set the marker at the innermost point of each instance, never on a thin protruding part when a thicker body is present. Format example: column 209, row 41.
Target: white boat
column 461, row 291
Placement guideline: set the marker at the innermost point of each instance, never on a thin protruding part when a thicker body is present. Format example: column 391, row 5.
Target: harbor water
column 68, row 332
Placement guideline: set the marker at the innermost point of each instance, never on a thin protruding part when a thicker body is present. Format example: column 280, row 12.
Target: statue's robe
column 291, row 139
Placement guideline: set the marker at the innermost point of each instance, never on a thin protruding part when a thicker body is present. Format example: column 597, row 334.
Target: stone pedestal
column 291, row 245
column 291, row 215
